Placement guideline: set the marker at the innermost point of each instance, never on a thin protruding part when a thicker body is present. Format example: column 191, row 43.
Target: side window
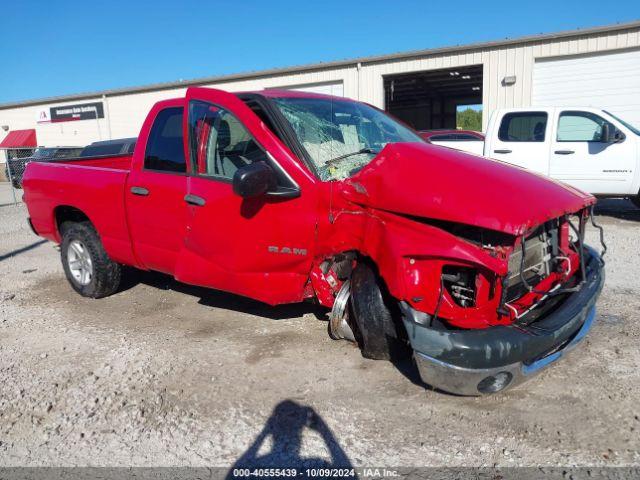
column 580, row 127
column 218, row 143
column 523, row 127
column 165, row 150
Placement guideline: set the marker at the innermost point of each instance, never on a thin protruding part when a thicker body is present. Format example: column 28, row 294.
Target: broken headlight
column 460, row 283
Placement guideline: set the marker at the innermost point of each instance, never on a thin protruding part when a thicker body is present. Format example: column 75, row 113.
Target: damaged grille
column 540, row 249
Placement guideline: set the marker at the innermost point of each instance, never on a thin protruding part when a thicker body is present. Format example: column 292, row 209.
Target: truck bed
column 92, row 185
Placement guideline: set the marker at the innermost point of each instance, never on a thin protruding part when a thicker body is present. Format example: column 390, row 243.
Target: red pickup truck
column 478, row 266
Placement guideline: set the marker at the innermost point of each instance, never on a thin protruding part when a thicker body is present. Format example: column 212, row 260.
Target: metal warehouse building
column 597, row 67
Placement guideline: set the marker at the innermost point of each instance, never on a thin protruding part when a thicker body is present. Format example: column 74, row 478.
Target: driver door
column 258, row 247
column 581, row 158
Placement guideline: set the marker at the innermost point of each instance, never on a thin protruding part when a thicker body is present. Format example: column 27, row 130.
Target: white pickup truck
column 586, row 147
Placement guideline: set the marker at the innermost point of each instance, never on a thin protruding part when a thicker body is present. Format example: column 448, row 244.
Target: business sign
column 81, row 111
column 43, row 116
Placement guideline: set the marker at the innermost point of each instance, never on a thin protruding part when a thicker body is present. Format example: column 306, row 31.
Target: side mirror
column 610, row 134
column 254, row 180
column 618, row 136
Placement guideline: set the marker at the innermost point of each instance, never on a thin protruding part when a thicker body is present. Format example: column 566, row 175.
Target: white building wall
column 124, row 113
column 127, row 112
column 73, row 133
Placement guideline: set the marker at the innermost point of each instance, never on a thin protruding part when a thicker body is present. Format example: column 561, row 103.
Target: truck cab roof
column 283, row 93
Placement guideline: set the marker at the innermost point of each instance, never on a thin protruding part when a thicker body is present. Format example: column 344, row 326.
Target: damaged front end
column 486, row 260
column 488, row 330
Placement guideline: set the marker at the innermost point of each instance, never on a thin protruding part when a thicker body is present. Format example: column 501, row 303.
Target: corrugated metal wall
column 498, row 63
column 125, row 112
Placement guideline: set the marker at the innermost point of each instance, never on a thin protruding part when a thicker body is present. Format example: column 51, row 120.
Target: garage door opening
column 433, row 99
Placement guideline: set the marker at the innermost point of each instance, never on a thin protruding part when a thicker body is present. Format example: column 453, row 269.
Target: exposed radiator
column 537, row 262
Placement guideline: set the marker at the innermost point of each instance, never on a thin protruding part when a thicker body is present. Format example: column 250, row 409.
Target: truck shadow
column 405, row 366
column 617, row 208
column 409, row 370
column 400, row 357
column 279, row 444
column 402, row 360
column 219, row 299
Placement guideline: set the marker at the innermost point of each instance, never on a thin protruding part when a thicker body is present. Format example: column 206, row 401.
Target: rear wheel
column 636, row 200
column 376, row 332
column 87, row 266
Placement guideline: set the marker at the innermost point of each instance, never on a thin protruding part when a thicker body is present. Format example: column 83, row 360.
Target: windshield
column 341, row 136
column 628, row 125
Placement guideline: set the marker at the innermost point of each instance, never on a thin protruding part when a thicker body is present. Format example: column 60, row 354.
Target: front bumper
column 476, row 362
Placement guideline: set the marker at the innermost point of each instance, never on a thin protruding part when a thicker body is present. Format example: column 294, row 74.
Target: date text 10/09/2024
column 314, row 473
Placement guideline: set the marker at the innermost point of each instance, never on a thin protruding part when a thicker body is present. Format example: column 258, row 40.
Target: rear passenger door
column 156, row 189
column 522, row 139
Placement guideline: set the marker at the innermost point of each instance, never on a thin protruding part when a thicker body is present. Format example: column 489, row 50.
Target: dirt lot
column 166, row 374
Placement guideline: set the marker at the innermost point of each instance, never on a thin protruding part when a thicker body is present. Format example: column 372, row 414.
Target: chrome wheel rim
column 79, row 261
column 339, row 316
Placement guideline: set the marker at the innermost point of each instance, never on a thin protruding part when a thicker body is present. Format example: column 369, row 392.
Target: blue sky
column 63, row 47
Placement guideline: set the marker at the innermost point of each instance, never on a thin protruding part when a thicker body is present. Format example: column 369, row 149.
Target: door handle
column 564, row 152
column 140, row 191
column 502, row 151
column 195, row 200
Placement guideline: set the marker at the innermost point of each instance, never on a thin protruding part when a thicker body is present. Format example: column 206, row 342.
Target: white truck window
column 580, row 127
column 523, row 127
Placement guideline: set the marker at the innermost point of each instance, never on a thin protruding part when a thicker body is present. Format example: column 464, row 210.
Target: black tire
column 106, row 274
column 378, row 335
column 636, row 200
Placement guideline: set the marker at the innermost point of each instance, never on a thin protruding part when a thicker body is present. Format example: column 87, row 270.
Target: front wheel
column 377, row 334
column 636, row 200
column 86, row 265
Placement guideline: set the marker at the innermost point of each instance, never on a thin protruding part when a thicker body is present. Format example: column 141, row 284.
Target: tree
column 469, row 119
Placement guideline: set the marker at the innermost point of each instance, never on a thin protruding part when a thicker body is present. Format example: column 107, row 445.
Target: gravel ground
column 8, row 196
column 166, row 374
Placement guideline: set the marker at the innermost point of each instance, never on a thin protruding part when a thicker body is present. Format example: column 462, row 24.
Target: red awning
column 20, row 139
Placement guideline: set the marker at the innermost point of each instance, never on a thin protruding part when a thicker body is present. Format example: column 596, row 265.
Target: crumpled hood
column 434, row 182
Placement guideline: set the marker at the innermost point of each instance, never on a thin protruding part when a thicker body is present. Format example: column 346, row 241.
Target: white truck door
column 459, row 141
column 521, row 138
column 580, row 158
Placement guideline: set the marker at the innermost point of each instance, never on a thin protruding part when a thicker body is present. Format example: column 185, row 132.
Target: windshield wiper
column 341, row 157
